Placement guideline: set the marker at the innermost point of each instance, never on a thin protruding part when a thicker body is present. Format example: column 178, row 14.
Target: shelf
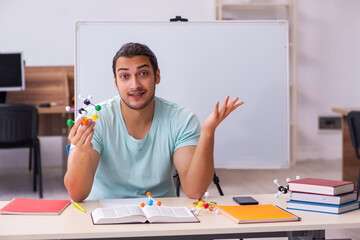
column 260, row 5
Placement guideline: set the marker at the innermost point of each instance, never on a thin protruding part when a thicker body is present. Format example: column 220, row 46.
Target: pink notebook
column 35, row 206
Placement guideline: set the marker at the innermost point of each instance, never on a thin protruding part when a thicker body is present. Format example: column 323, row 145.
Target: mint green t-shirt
column 130, row 167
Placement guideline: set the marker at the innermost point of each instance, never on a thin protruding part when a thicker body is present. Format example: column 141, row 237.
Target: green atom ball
column 98, row 108
column 70, row 122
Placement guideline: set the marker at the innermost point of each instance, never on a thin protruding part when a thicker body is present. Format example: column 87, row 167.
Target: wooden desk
column 52, row 121
column 74, row 224
column 350, row 162
column 52, row 84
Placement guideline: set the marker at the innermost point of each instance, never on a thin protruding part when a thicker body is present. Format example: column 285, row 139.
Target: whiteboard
column 201, row 63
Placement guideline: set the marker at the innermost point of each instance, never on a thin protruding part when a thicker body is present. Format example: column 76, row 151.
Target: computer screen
column 11, row 72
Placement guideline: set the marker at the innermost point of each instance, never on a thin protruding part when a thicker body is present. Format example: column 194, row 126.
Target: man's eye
column 144, row 73
column 123, row 76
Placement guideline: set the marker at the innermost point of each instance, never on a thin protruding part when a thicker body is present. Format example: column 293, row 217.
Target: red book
column 321, row 186
column 35, row 206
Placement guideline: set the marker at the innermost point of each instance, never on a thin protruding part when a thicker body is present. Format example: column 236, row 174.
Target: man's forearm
column 201, row 170
column 80, row 174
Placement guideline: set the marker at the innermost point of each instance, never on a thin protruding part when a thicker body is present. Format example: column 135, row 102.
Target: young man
column 140, row 138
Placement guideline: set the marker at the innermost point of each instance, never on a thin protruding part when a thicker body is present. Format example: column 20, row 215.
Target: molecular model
column 281, row 189
column 150, row 201
column 204, row 204
column 83, row 112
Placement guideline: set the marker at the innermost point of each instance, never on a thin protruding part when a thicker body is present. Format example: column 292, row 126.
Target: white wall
column 328, row 50
column 44, row 31
column 328, row 71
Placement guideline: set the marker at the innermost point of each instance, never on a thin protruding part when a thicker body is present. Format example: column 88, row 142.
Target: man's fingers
column 231, row 106
column 74, row 129
column 227, row 107
column 232, row 103
column 224, row 106
column 216, row 109
column 82, row 132
column 238, row 104
column 235, row 107
column 89, row 138
column 87, row 129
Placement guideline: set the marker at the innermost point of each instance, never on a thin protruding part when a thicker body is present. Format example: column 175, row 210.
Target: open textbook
column 137, row 214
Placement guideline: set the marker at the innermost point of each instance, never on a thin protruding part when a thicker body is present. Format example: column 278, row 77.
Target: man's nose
column 135, row 83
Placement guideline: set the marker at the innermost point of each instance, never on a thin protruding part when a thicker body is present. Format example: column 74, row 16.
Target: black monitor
column 11, row 74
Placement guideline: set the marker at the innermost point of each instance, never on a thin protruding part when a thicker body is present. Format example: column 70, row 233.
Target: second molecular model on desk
column 83, row 112
column 204, row 204
column 150, row 201
column 282, row 189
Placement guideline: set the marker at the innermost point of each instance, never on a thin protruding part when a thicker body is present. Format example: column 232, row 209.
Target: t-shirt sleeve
column 188, row 129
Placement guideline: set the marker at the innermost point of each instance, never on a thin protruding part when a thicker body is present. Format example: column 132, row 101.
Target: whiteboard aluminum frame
column 286, row 164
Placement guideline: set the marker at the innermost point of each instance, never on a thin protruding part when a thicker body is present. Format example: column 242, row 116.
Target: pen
column 79, row 207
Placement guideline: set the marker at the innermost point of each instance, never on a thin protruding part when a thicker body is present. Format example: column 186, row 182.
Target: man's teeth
column 137, row 94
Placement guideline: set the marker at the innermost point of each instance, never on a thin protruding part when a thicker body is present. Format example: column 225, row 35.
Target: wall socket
column 326, row 123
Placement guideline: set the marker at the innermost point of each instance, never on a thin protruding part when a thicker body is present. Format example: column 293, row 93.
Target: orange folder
column 257, row 213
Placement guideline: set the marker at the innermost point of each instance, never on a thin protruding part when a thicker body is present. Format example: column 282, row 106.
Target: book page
column 120, row 211
column 118, row 215
column 128, row 210
column 152, row 211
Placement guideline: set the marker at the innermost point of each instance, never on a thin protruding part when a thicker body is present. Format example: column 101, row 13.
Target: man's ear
column 157, row 76
column 115, row 82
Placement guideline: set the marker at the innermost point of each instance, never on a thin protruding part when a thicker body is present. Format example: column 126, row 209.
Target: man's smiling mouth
column 135, row 94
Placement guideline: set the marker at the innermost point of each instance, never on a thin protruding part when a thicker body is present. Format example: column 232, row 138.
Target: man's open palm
column 215, row 118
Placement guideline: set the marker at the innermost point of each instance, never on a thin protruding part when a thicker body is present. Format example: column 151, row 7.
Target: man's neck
column 138, row 122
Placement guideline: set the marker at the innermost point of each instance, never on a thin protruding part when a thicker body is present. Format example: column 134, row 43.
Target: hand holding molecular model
column 83, row 112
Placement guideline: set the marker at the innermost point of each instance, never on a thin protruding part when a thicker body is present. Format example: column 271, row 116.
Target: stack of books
column 322, row 195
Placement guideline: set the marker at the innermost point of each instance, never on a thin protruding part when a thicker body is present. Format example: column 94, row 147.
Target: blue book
column 322, row 207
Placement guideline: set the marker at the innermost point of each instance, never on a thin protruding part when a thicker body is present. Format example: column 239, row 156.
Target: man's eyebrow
column 119, row 69
column 141, row 66
column 144, row 65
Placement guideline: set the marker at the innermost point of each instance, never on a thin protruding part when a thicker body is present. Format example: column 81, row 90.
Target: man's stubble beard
column 142, row 106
